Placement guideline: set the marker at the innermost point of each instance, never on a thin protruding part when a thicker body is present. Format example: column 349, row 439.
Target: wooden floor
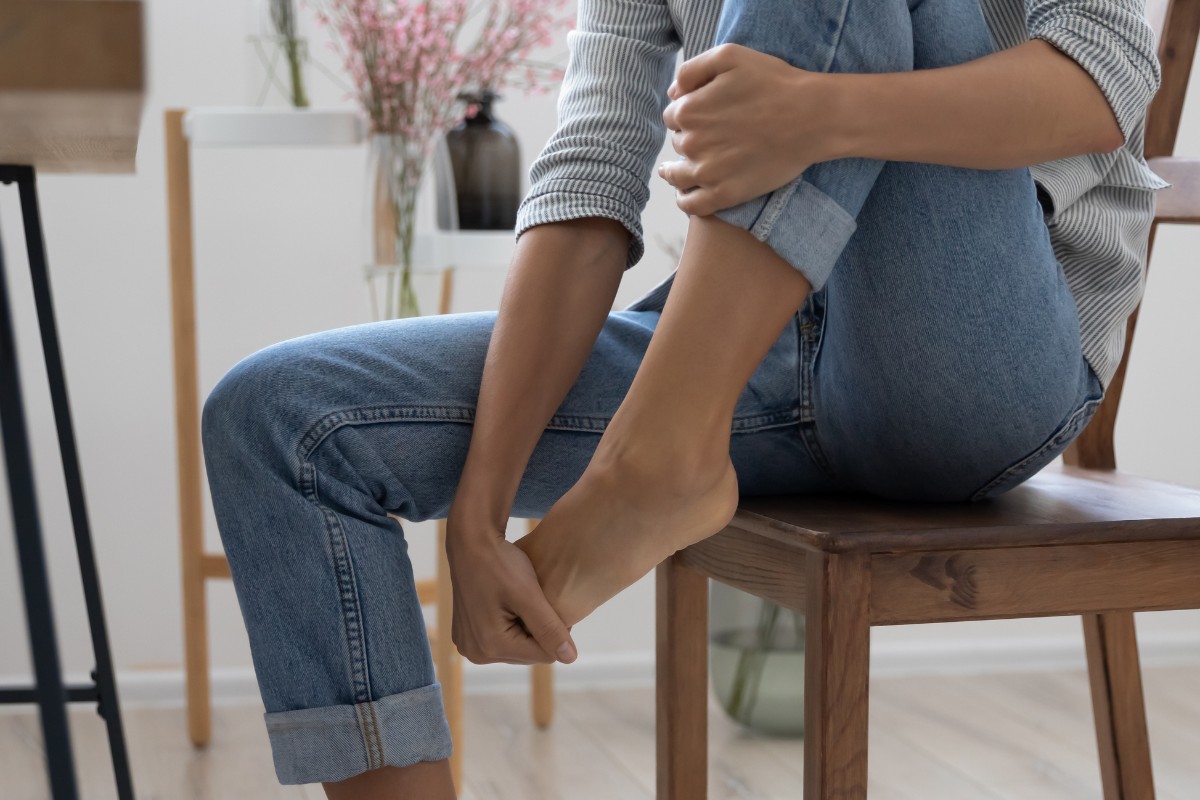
column 1021, row 737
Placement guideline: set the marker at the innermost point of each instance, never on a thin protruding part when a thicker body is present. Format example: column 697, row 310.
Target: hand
column 745, row 123
column 500, row 611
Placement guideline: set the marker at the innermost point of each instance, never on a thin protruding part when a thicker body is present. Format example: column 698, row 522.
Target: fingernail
column 662, row 170
column 566, row 652
column 672, row 90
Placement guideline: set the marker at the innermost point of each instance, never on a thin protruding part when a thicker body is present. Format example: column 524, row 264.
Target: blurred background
column 279, row 248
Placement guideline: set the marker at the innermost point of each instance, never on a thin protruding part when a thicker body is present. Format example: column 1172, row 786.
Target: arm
column 1015, row 108
column 1080, row 85
column 556, row 297
column 579, row 228
column 558, row 293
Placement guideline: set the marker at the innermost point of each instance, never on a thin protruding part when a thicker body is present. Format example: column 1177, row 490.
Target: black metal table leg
column 50, row 694
column 104, row 677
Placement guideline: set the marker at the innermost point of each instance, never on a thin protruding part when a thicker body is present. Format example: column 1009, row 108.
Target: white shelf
column 273, row 127
column 465, row 249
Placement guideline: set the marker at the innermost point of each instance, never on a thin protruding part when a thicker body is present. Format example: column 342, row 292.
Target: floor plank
column 996, row 737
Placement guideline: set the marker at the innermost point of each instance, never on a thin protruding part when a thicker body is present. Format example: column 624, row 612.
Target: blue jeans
column 939, row 360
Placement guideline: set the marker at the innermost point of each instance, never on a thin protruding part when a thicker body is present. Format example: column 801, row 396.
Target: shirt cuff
column 1127, row 74
column 560, row 200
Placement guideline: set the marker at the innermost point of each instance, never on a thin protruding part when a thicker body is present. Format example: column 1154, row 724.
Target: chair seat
column 1094, row 536
column 1061, row 505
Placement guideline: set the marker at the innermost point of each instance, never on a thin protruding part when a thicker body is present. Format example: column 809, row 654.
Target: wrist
column 479, row 508
column 853, row 104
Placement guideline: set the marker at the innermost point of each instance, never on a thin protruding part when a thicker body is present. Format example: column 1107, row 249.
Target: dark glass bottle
column 486, row 160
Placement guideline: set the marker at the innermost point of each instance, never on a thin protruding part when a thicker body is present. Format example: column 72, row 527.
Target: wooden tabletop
column 71, row 84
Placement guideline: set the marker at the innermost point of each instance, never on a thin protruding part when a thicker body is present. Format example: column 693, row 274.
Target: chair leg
column 682, row 682
column 542, row 695
column 195, row 648
column 837, row 655
column 541, row 679
column 446, row 659
column 1118, row 705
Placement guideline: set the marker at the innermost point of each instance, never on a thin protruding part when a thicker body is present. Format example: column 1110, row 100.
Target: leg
column 661, row 476
column 427, row 780
column 313, row 444
column 1119, row 708
column 948, row 360
column 682, row 682
column 837, row 657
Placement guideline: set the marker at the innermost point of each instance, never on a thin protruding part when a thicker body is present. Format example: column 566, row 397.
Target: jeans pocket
column 1030, row 465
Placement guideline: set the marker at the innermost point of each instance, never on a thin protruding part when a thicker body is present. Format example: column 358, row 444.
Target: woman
column 878, row 294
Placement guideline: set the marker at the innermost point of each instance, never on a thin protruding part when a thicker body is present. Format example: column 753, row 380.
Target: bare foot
column 624, row 516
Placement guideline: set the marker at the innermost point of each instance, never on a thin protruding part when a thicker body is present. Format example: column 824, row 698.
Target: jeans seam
column 577, row 423
column 368, row 746
column 375, row 733
column 347, row 588
column 810, row 331
column 1066, row 433
column 764, row 224
column 327, row 424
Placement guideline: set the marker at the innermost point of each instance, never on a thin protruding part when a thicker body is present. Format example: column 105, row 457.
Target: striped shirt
column 1099, row 207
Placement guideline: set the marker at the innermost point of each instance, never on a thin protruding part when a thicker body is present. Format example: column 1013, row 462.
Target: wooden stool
column 262, row 127
column 1082, row 540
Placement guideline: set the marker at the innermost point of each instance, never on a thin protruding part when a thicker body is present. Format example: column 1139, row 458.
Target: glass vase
column 429, row 288
column 486, row 162
column 281, row 51
column 756, row 658
column 396, row 167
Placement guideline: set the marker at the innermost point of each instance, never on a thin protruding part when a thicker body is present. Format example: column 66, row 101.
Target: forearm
column 559, row 291
column 1015, row 108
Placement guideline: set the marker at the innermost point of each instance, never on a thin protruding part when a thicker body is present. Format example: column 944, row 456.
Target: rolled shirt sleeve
column 1112, row 40
column 610, row 130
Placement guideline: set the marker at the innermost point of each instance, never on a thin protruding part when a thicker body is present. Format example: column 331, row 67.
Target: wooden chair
column 1084, row 540
column 230, row 127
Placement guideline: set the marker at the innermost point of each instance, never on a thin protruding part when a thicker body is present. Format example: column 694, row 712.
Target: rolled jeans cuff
column 333, row 743
column 805, row 226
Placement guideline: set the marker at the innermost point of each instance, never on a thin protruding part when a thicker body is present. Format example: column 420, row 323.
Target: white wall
column 278, row 244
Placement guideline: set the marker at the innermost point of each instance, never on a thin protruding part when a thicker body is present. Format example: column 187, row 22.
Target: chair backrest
column 1176, row 25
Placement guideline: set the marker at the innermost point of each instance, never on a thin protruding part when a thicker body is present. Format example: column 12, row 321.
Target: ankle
column 664, row 465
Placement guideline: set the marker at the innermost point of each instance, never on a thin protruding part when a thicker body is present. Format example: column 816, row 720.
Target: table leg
column 109, row 707
column 50, row 693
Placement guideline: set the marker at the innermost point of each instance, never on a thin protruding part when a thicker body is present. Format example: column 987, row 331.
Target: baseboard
column 1013, row 654
column 232, row 685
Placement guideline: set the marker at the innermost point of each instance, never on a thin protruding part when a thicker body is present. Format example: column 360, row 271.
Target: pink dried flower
column 410, row 60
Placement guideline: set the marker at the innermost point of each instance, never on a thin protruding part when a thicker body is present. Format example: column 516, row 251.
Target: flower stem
column 751, row 663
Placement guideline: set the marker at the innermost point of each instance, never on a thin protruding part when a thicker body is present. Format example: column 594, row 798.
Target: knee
column 823, row 35
column 250, row 405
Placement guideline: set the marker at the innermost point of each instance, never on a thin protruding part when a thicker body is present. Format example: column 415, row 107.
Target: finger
column 507, row 645
column 681, row 143
column 671, row 115
column 699, row 202
column 681, row 174
column 698, row 71
column 544, row 625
